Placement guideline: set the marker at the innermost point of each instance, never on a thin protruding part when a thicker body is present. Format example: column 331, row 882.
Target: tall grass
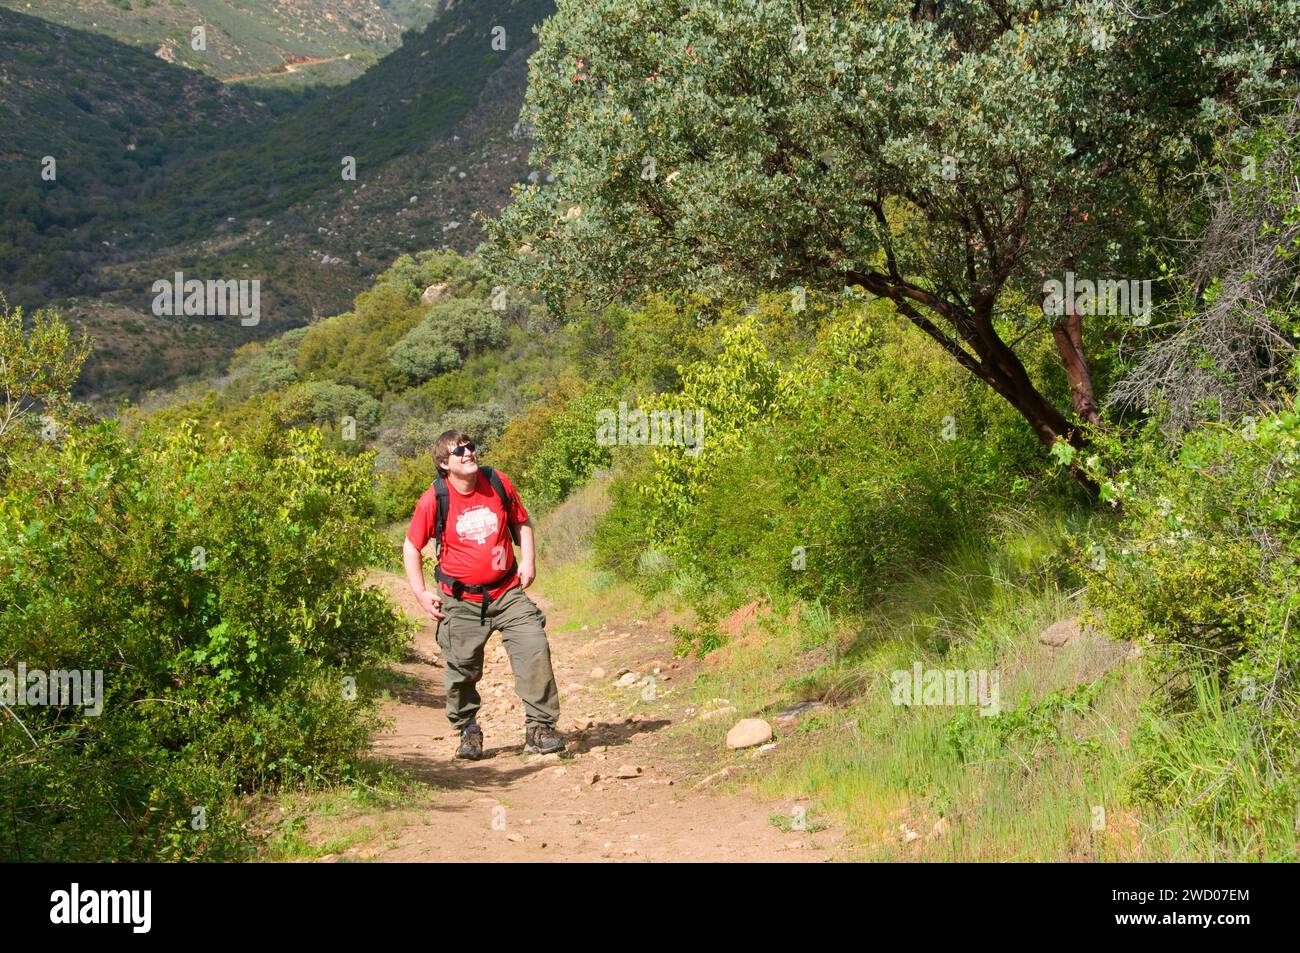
column 1053, row 777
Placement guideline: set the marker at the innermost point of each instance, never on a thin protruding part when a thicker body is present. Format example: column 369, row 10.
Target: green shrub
column 552, row 449
column 825, row 477
column 1203, row 575
column 400, row 488
column 214, row 580
column 328, row 405
column 450, row 333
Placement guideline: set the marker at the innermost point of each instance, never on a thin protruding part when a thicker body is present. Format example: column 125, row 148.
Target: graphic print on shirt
column 477, row 523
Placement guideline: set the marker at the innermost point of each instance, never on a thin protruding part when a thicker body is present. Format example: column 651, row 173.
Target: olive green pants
column 462, row 636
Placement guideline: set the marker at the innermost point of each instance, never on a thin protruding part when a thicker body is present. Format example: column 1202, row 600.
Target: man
column 480, row 589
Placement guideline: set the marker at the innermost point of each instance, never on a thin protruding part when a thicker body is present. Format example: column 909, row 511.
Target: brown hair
column 441, row 450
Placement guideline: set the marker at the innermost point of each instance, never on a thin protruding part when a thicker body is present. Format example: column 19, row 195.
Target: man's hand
column 431, row 602
column 527, row 573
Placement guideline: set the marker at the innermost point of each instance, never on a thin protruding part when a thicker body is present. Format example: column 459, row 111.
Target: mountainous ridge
column 250, row 189
column 245, row 37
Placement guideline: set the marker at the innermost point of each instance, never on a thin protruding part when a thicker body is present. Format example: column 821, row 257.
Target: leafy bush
column 1203, row 575
column 441, row 342
column 215, row 582
column 37, row 370
column 824, row 477
column 352, row 348
column 551, row 449
column 400, row 488
column 326, row 404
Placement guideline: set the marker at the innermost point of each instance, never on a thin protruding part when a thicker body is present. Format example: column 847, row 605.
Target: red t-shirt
column 476, row 545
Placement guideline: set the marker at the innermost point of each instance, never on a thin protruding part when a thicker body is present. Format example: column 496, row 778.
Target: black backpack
column 440, row 492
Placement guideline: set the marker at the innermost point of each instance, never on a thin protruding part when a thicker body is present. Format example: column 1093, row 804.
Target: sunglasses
column 460, row 451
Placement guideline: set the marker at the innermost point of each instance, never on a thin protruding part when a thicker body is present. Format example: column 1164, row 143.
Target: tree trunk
column 992, row 361
column 1001, row 368
column 1011, row 380
column 1068, row 333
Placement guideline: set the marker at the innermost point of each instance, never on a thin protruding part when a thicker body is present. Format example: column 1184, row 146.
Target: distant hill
column 164, row 169
column 88, row 126
column 247, row 39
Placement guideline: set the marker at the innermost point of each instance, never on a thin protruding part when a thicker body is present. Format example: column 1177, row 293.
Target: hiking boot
column 471, row 743
column 542, row 739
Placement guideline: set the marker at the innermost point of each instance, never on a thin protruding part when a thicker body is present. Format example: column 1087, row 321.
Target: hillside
column 114, row 120
column 236, row 184
column 248, row 39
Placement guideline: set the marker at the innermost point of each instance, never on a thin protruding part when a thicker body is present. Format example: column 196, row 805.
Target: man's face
column 463, row 464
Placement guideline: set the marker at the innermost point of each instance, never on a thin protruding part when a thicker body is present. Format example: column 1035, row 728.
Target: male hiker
column 472, row 513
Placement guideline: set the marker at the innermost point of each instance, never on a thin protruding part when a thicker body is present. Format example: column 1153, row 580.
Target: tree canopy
column 947, row 156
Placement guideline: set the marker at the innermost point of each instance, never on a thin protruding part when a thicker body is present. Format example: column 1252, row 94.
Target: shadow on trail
column 419, row 690
column 611, row 735
column 504, row 765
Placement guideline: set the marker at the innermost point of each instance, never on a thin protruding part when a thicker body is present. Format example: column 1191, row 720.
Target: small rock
column 715, row 776
column 596, row 673
column 628, row 771
column 1059, row 633
column 628, row 680
column 749, row 732
column 592, row 777
column 516, row 838
column 787, row 718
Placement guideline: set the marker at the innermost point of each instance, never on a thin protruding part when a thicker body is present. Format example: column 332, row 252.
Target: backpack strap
column 440, row 514
column 495, row 479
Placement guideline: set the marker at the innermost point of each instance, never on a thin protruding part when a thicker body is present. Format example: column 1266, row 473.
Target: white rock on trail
column 749, row 732
column 628, row 679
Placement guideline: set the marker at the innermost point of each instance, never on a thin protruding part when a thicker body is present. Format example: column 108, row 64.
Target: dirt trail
column 291, row 66
column 515, row 807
